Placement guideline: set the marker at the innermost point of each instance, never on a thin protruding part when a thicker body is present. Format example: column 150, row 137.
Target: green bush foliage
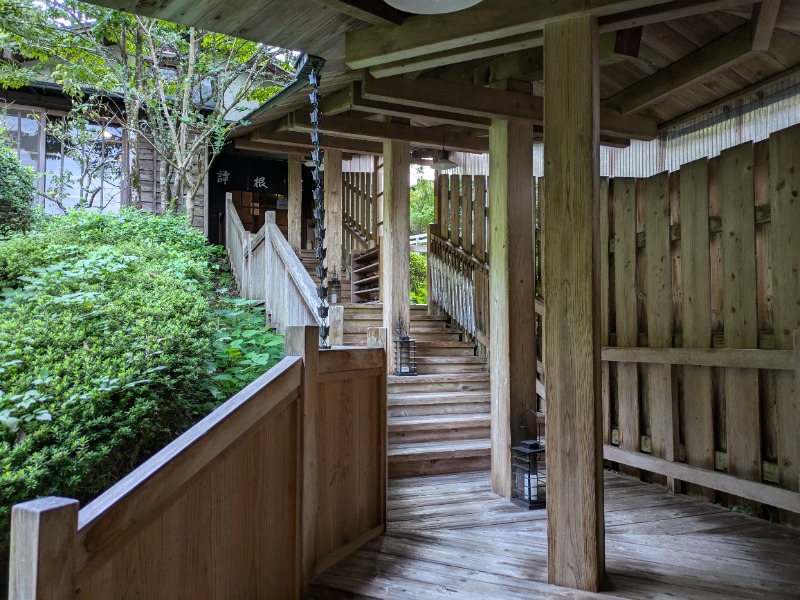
column 114, row 338
column 419, row 278
column 421, row 206
column 17, row 192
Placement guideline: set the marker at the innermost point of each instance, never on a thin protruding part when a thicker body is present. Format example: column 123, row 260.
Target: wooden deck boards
column 450, row 537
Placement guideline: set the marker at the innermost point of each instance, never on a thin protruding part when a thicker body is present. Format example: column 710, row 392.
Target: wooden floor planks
column 450, row 537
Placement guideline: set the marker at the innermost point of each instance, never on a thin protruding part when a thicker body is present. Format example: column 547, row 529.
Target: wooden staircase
column 439, row 421
column 310, row 262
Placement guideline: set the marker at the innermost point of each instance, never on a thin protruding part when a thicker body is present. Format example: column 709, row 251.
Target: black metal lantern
column 405, row 356
column 334, row 290
column 528, row 469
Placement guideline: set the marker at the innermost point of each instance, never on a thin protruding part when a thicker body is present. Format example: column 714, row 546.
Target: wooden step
column 444, row 348
column 355, row 325
column 450, row 364
column 421, row 404
column 458, row 382
column 432, row 428
column 433, row 458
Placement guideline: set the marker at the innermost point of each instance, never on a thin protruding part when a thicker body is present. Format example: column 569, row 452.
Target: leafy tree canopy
column 421, row 206
column 179, row 88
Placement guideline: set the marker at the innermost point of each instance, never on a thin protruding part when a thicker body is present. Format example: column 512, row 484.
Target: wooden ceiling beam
column 493, row 21
column 351, row 98
column 302, row 141
column 369, row 11
column 460, row 54
column 723, row 53
column 430, row 137
column 765, row 16
column 528, row 64
column 490, row 103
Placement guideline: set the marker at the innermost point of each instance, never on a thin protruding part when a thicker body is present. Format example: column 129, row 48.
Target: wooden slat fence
column 267, row 269
column 276, row 485
column 700, row 301
column 359, row 212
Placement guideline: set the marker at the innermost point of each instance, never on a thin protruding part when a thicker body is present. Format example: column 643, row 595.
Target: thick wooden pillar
column 571, row 268
column 395, row 246
column 512, row 359
column 294, row 183
column 333, row 212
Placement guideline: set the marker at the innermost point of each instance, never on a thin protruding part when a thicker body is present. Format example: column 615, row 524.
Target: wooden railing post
column 376, row 337
column 304, row 341
column 336, row 320
column 42, row 542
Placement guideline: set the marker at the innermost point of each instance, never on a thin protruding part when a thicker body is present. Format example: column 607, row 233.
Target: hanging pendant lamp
column 431, row 7
column 443, row 163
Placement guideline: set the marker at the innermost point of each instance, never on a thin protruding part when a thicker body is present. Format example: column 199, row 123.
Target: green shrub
column 419, row 278
column 114, row 338
column 17, row 192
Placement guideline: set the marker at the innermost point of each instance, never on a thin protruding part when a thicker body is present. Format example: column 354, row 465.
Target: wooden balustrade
column 267, row 269
column 249, row 503
column 459, row 285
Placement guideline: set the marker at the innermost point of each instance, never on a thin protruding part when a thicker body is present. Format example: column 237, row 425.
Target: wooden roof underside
column 661, row 62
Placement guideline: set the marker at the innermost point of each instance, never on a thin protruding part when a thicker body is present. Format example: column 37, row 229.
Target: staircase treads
column 402, row 380
column 440, row 450
column 418, row 398
column 437, row 422
column 450, row 360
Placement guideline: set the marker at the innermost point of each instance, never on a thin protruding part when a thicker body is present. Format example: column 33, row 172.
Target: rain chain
column 319, row 212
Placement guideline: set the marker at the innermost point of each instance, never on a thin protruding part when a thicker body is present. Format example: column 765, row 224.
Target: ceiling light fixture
column 431, row 7
column 443, row 163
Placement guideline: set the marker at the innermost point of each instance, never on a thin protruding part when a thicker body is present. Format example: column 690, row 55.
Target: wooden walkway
column 450, row 537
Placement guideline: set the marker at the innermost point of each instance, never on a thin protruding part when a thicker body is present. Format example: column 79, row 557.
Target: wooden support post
column 512, row 360
column 42, row 549
column 304, row 341
column 395, row 247
column 575, row 529
column 294, row 182
column 333, row 213
column 376, row 337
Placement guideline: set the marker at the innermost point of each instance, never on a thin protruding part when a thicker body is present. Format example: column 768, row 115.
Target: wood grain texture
column 294, row 179
column 512, row 288
column 333, row 213
column 784, row 190
column 605, row 303
column 743, row 431
column 625, row 300
column 395, row 247
column 466, row 213
column 304, row 342
column 42, row 549
column 661, row 396
column 698, row 405
column 571, row 269
column 454, row 208
column 479, row 206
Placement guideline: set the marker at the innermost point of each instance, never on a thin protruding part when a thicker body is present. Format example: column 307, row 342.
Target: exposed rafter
column 725, row 52
column 491, row 103
column 369, row 11
column 301, row 141
column 431, row 137
column 351, row 98
column 498, row 20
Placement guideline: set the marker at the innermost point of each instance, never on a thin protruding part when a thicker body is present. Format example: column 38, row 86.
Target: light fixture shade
column 431, row 7
column 443, row 164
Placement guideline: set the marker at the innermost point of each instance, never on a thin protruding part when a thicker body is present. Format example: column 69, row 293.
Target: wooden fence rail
column 267, row 269
column 699, row 302
column 252, row 502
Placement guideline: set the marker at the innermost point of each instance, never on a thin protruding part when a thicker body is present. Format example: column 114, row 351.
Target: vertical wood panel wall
column 707, row 257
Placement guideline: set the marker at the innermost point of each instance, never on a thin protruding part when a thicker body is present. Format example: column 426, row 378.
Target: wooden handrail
column 297, row 272
column 128, row 506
